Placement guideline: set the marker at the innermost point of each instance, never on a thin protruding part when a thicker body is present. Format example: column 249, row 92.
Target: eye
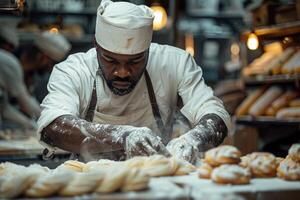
column 138, row 60
column 110, row 60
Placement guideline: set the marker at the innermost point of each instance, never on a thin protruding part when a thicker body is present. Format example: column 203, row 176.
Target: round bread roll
column 83, row 183
column 158, row 165
column 204, row 170
column 222, row 155
column 289, row 169
column 231, row 174
column 50, row 184
column 113, row 179
column 294, row 152
column 261, row 164
column 135, row 180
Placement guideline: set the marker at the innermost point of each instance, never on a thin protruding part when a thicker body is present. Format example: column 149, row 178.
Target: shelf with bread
column 276, row 31
column 274, row 66
column 269, row 105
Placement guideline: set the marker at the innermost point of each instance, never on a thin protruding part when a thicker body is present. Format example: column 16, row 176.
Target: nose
column 122, row 72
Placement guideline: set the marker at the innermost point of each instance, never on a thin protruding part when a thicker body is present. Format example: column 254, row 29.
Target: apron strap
column 154, row 104
column 92, row 106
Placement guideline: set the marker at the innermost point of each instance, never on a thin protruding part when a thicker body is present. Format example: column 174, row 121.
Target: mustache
column 126, row 79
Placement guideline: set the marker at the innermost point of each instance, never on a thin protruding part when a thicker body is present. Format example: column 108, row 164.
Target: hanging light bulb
column 160, row 17
column 189, row 44
column 252, row 42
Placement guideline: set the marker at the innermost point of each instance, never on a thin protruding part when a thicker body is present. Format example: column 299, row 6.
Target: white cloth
column 123, row 27
column 54, row 45
column 171, row 70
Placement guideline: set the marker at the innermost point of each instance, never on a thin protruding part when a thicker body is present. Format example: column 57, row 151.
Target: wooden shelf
column 84, row 12
column 27, row 37
column 259, row 121
column 273, row 79
column 276, row 31
column 217, row 15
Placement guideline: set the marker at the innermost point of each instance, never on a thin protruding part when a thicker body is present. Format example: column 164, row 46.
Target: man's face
column 121, row 72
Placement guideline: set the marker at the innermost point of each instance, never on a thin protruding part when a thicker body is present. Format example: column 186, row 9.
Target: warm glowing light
column 160, row 17
column 54, row 30
column 189, row 44
column 252, row 42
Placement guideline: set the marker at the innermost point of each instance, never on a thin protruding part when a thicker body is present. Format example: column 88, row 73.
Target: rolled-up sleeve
column 63, row 97
column 198, row 98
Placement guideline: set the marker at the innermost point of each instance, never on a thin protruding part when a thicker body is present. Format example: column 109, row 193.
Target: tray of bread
column 275, row 62
column 274, row 102
column 223, row 169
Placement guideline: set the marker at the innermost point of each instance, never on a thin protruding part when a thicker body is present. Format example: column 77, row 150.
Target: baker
column 119, row 98
column 12, row 85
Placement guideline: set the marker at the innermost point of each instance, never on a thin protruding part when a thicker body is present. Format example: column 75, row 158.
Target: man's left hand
column 181, row 149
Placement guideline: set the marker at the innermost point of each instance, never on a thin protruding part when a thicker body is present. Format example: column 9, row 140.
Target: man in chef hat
column 120, row 97
column 38, row 60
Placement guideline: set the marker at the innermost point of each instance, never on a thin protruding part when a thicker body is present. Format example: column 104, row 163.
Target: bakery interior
column 250, row 55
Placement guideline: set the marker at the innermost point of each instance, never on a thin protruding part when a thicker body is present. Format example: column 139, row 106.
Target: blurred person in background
column 38, row 60
column 12, row 85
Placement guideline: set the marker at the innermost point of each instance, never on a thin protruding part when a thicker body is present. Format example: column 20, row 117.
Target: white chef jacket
column 172, row 71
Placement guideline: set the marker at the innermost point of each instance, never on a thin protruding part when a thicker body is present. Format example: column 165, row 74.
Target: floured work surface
column 259, row 188
column 28, row 146
column 191, row 187
column 17, row 147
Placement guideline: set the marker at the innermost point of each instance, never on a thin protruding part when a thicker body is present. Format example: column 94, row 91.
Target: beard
column 133, row 81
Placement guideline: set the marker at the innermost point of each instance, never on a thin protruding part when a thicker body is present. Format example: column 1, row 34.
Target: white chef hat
column 123, row 27
column 54, row 45
column 9, row 33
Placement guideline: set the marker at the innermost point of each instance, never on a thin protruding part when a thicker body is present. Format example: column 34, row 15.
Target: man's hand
column 180, row 148
column 142, row 142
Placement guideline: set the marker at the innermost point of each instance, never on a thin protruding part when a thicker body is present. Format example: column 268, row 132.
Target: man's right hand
column 142, row 142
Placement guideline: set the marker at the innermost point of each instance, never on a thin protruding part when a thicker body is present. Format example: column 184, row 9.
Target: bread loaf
column 249, row 101
column 284, row 100
column 261, row 105
column 292, row 65
column 275, row 66
column 287, row 113
column 295, row 103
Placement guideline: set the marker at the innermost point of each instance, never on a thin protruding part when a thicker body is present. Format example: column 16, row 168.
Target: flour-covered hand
column 143, row 142
column 180, row 148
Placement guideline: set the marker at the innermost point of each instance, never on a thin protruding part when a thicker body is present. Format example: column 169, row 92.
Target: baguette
column 284, row 100
column 292, row 64
column 295, row 103
column 287, row 113
column 275, row 66
column 261, row 105
column 248, row 102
